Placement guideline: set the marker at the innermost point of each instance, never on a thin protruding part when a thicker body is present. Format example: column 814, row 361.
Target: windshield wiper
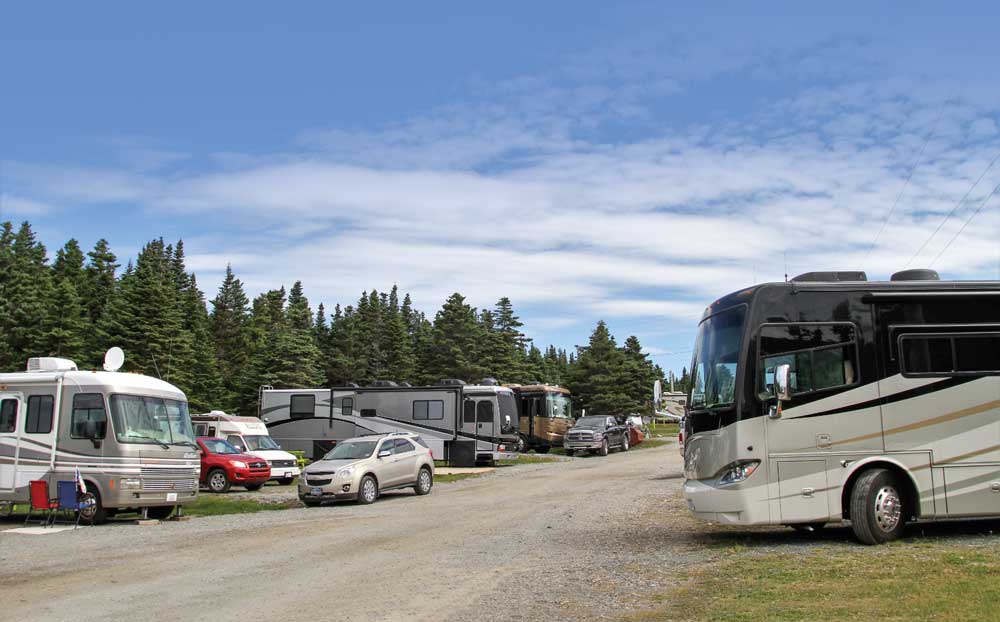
column 150, row 438
column 185, row 443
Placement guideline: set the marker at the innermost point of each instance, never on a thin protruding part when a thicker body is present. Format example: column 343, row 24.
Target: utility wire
column 899, row 196
column 966, row 223
column 952, row 212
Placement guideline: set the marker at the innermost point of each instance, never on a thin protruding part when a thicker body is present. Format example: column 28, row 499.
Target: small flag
column 80, row 484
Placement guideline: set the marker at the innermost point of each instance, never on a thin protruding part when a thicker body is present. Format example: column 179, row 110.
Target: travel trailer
column 129, row 436
column 249, row 435
column 463, row 424
column 545, row 412
column 831, row 398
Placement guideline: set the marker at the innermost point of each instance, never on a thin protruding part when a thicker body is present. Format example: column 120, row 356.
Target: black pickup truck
column 595, row 434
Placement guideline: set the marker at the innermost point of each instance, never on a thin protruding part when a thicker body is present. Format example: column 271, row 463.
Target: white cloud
column 18, row 206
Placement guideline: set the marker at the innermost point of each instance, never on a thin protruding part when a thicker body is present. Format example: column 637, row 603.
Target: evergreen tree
column 65, row 325
column 27, row 294
column 229, row 332
column 453, row 351
column 6, row 274
column 99, row 287
column 599, row 379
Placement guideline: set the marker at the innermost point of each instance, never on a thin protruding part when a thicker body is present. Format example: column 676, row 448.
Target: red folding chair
column 40, row 502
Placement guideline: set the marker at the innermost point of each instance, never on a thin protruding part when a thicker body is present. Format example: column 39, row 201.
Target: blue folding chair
column 69, row 500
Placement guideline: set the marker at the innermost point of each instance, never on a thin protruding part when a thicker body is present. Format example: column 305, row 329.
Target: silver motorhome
column 462, row 424
column 832, row 398
column 129, row 435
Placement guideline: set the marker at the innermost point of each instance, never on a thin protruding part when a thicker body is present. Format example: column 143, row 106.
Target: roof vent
column 830, row 277
column 489, row 382
column 917, row 274
column 50, row 363
column 451, row 382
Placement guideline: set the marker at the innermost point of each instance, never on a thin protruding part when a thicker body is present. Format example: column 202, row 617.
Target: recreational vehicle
column 831, row 398
column 462, row 424
column 249, row 435
column 128, row 435
column 545, row 412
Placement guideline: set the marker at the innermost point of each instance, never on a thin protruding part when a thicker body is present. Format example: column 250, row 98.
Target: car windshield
column 351, row 450
column 716, row 356
column 260, row 442
column 559, row 406
column 151, row 420
column 219, row 446
column 590, row 422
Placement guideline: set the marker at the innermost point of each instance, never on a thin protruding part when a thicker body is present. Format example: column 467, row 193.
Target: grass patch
column 666, row 430
column 454, row 477
column 526, row 459
column 650, row 443
column 216, row 505
column 894, row 583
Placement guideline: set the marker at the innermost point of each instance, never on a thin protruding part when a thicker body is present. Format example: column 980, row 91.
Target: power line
column 966, row 224
column 952, row 212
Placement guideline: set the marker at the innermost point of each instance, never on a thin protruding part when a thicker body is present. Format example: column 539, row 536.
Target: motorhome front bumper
column 727, row 505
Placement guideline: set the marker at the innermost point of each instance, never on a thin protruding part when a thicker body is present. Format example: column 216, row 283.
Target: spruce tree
column 65, row 324
column 455, row 341
column 100, row 286
column 27, row 293
column 229, row 332
column 599, row 378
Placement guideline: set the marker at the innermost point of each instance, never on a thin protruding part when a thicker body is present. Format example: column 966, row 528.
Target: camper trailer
column 463, row 424
column 249, row 435
column 129, row 436
column 545, row 412
column 832, row 398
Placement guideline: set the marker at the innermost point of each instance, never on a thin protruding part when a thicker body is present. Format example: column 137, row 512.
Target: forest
column 221, row 351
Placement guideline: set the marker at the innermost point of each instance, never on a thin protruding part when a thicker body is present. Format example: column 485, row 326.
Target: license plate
column 171, row 496
column 288, row 475
column 316, row 492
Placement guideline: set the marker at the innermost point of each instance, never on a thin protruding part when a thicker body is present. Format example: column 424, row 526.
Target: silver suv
column 363, row 467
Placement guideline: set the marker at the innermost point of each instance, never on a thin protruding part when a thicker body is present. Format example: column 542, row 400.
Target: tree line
column 222, row 352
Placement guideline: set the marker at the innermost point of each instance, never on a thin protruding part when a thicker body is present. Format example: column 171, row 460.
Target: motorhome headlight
column 129, row 483
column 345, row 472
column 239, row 464
column 738, row 471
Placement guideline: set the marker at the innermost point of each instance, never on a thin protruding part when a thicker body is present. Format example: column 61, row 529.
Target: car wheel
column 424, row 482
column 625, row 443
column 878, row 508
column 91, row 509
column 603, row 451
column 253, row 487
column 285, row 481
column 368, row 490
column 160, row 512
column 217, row 481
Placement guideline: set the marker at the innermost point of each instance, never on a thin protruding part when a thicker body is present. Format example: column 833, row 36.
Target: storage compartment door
column 802, row 490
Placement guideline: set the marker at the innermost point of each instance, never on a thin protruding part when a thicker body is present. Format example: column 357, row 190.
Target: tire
column 425, row 481
column 93, row 512
column 367, row 490
column 625, row 442
column 522, row 444
column 878, row 508
column 285, row 481
column 160, row 512
column 568, row 452
column 217, row 481
column 603, row 451
column 542, row 449
column 253, row 487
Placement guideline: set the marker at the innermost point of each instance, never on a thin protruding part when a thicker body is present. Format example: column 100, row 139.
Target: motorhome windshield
column 151, row 420
column 260, row 442
column 559, row 406
column 355, row 450
column 716, row 359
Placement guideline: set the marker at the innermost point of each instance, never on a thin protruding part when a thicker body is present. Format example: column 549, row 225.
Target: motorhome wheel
column 878, row 509
column 91, row 509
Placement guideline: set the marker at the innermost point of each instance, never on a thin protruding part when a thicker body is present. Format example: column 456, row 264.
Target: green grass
column 905, row 581
column 527, row 459
column 215, row 505
column 665, row 430
column 650, row 443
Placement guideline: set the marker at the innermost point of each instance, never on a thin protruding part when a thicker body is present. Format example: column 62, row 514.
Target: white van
column 250, row 436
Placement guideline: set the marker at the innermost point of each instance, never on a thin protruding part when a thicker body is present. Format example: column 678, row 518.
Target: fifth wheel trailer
column 832, row 398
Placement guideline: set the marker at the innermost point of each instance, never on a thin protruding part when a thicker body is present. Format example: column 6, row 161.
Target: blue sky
column 624, row 161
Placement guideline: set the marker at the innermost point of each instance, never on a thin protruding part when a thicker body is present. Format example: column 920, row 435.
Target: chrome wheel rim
column 369, row 490
column 425, row 481
column 888, row 508
column 217, row 481
column 88, row 506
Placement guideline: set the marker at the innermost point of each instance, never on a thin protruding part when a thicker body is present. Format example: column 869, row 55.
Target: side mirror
column 385, row 453
column 783, row 382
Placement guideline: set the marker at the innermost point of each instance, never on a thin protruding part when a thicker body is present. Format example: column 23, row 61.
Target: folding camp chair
column 40, row 502
column 69, row 500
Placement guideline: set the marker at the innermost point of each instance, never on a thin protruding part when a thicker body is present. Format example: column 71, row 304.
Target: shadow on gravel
column 677, row 475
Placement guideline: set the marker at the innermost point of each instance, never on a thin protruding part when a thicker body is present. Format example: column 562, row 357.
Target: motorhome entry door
column 11, row 413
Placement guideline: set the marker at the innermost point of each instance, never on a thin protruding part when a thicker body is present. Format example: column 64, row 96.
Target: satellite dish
column 114, row 359
column 657, row 392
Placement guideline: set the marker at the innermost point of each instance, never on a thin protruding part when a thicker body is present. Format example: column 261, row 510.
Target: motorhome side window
column 944, row 354
column 39, row 420
column 821, row 356
column 469, row 412
column 428, row 409
column 302, row 407
column 88, row 407
column 8, row 416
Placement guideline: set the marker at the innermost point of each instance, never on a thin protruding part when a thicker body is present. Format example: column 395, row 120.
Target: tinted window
column 484, row 412
column 944, row 354
column 8, row 416
column 821, row 356
column 367, row 412
column 88, row 407
column 424, row 409
column 421, row 442
column 469, row 412
column 403, row 446
column 347, row 406
column 302, row 406
column 39, row 419
column 387, row 446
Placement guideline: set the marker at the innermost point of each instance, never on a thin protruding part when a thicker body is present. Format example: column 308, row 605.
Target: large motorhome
column 129, row 435
column 831, row 398
column 460, row 423
column 545, row 413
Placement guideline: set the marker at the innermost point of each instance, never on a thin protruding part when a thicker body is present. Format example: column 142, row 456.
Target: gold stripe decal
column 958, row 414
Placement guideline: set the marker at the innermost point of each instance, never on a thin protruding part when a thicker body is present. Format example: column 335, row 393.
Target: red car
column 222, row 465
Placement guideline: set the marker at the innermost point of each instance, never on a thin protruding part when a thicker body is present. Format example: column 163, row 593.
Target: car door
column 614, row 432
column 10, row 414
column 385, row 468
column 406, row 461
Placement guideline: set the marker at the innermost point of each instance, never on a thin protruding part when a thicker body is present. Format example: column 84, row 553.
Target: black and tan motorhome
column 545, row 412
column 831, row 398
column 128, row 435
column 463, row 424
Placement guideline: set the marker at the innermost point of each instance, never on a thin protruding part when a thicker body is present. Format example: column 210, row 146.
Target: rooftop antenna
column 785, row 254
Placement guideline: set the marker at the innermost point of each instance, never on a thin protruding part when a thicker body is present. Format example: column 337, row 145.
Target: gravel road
column 586, row 539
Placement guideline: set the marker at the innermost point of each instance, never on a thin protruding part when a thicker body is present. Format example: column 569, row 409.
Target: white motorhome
column 249, row 435
column 129, row 435
column 832, row 398
column 463, row 424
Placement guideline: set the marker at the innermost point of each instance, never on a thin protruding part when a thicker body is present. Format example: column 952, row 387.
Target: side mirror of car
column 385, row 453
